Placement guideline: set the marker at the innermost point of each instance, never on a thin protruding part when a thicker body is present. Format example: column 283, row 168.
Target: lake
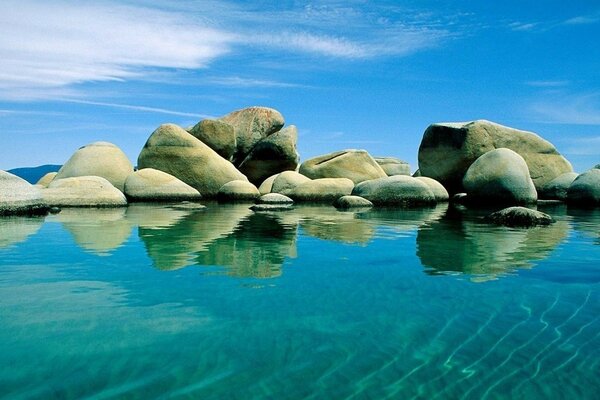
column 165, row 301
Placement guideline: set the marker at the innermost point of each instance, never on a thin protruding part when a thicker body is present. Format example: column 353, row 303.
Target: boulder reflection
column 460, row 243
column 14, row 230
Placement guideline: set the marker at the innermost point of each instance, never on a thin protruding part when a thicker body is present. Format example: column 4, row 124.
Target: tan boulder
column 238, row 191
column 356, row 165
column 217, row 135
column 46, row 179
column 322, row 190
column 98, row 159
column 287, row 181
column 19, row 197
column 150, row 184
column 447, row 150
column 83, row 191
column 397, row 190
column 173, row 150
column 266, row 186
column 393, row 166
column 439, row 191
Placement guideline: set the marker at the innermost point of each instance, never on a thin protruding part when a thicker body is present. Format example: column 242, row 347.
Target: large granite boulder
column 447, row 150
column 557, row 188
column 273, row 154
column 287, row 181
column 393, row 166
column 499, row 176
column 98, row 159
column 585, row 189
column 356, row 165
column 83, row 191
column 238, row 191
column 45, row 180
column 439, row 191
column 397, row 190
column 173, row 150
column 251, row 125
column 322, row 190
column 19, row 197
column 150, row 184
column 519, row 217
column 217, row 135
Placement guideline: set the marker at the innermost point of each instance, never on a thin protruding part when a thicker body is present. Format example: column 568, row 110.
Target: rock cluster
column 249, row 153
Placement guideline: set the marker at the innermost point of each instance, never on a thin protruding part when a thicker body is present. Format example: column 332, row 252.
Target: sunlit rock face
column 98, row 159
column 457, row 244
column 173, row 150
column 19, row 197
column 448, row 149
column 150, row 184
column 356, row 165
column 83, row 191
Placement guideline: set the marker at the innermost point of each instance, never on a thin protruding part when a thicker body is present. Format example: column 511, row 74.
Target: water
column 224, row 303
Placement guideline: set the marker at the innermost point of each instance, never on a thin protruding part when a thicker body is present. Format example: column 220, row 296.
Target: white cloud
column 582, row 20
column 547, row 84
column 236, row 81
column 136, row 108
column 579, row 109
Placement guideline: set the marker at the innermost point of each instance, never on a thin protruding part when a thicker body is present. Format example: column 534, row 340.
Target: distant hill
column 33, row 174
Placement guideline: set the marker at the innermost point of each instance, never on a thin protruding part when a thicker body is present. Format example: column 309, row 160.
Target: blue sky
column 349, row 74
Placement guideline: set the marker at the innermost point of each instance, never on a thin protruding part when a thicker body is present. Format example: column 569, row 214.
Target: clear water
column 223, row 303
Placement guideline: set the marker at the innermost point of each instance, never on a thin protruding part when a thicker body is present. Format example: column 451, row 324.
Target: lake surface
column 223, row 303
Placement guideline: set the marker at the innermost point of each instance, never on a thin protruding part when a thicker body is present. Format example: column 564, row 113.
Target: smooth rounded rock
column 98, row 159
column 322, row 190
column 46, row 179
column 217, row 135
column 397, row 190
column 447, row 150
column 238, row 191
column 393, row 166
column 150, row 184
column 251, row 125
column 274, row 198
column 266, row 186
column 19, row 197
column 519, row 217
column 173, row 150
column 356, row 165
column 499, row 176
column 439, row 191
column 273, row 154
column 83, row 191
column 557, row 188
column 346, row 202
column 287, row 181
column 585, row 189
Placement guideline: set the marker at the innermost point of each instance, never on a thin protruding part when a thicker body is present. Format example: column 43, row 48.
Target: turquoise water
column 224, row 303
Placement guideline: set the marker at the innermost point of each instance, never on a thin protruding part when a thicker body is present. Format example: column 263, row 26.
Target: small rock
column 271, row 207
column 519, row 217
column 346, row 202
column 274, row 198
column 238, row 191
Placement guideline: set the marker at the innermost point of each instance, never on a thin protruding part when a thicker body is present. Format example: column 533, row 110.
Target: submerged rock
column 499, row 176
column 397, row 190
column 519, row 217
column 172, row 150
column 98, row 159
column 356, row 165
column 150, row 184
column 447, row 150
column 19, row 197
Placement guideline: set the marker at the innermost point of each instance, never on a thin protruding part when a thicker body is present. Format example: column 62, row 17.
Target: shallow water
column 167, row 302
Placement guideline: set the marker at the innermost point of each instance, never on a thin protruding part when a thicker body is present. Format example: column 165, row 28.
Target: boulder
column 585, row 189
column 393, row 166
column 356, row 165
column 447, row 150
column 98, row 159
column 519, row 217
column 250, row 126
column 346, row 202
column 439, row 191
column 172, row 150
column 557, row 188
column 287, row 181
column 150, row 184
column 19, row 197
column 266, row 186
column 274, row 198
column 322, row 190
column 273, row 154
column 217, row 135
column 397, row 190
column 499, row 176
column 83, row 191
column 46, row 179
column 238, row 191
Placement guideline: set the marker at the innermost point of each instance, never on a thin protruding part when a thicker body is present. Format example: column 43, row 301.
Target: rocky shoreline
column 249, row 155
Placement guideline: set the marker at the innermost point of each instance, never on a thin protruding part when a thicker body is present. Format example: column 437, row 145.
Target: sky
column 349, row 74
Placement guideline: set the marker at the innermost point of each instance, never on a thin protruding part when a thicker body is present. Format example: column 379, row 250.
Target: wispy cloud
column 236, row 81
column 583, row 20
column 522, row 26
column 547, row 84
column 136, row 108
column 578, row 109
